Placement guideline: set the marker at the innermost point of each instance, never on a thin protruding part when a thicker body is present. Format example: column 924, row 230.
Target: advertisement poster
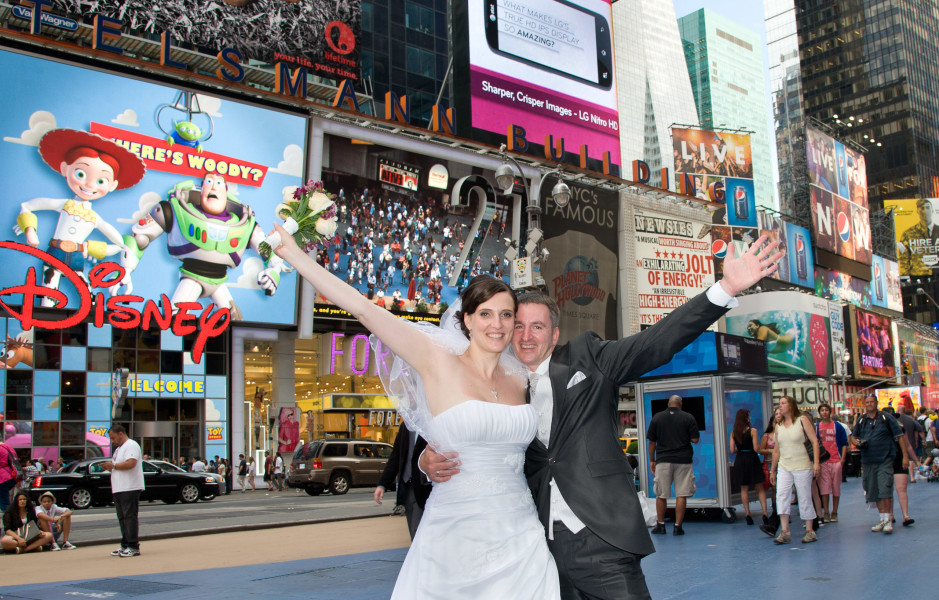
column 794, row 327
column 838, row 340
column 836, row 285
column 720, row 168
column 838, row 190
column 672, row 263
column 581, row 267
column 183, row 203
column 873, row 345
column 885, row 284
column 919, row 360
column 917, row 228
column 318, row 35
column 545, row 67
column 801, row 256
column 897, row 396
column 774, row 228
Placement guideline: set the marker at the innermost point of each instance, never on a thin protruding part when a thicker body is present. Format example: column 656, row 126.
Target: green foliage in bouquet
column 314, row 212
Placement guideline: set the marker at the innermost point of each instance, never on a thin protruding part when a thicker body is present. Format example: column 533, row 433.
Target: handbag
column 648, row 510
column 823, row 453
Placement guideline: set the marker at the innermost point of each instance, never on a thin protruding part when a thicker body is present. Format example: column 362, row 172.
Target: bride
column 480, row 536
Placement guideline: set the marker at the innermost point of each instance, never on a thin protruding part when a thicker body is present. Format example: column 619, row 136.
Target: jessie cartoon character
column 93, row 167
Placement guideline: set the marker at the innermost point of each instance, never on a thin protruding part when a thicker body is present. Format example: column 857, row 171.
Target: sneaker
column 117, row 552
column 888, row 527
column 826, row 517
column 125, row 552
column 834, row 517
column 908, row 521
column 69, row 546
column 677, row 530
column 809, row 537
column 784, row 537
column 879, row 526
column 749, row 520
column 765, row 520
column 659, row 529
column 54, row 547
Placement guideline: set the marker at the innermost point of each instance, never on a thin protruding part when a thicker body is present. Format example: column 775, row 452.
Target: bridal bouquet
column 309, row 215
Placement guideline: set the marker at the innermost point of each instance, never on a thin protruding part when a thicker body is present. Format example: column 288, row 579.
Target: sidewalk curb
column 229, row 529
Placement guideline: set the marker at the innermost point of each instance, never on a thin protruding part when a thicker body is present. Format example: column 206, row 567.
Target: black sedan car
column 86, row 483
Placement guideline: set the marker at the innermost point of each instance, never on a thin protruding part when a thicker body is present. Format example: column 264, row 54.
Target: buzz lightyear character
column 93, row 167
column 208, row 230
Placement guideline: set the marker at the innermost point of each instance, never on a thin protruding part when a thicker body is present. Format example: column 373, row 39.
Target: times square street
column 358, row 559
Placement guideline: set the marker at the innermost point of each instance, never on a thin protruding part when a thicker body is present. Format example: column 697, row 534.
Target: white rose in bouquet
column 319, row 202
column 327, row 227
column 289, row 192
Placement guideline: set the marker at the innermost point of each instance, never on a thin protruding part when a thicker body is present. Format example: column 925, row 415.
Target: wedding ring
column 437, row 473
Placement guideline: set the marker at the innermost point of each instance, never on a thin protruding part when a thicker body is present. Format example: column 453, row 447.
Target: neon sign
column 121, row 312
column 353, row 349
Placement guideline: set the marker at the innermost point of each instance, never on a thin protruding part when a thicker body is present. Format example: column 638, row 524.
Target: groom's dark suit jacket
column 585, row 457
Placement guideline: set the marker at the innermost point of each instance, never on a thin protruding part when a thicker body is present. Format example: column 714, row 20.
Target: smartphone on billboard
column 553, row 35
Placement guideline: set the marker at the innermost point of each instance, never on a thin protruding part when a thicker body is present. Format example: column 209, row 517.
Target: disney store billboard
column 145, row 201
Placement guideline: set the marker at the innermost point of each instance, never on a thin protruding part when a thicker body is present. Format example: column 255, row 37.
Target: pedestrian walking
column 832, row 436
column 242, row 472
column 875, row 433
column 792, row 465
column 747, row 471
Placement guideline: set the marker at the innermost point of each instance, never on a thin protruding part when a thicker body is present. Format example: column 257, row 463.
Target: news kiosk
column 716, row 375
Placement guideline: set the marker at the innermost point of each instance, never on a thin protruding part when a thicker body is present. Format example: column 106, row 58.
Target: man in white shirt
column 198, row 466
column 126, row 466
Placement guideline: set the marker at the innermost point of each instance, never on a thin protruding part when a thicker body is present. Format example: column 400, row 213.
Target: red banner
column 158, row 155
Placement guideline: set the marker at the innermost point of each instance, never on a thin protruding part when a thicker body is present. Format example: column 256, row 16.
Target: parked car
column 168, row 466
column 86, row 483
column 337, row 465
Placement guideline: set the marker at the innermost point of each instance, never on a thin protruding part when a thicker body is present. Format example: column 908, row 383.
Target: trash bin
column 852, row 466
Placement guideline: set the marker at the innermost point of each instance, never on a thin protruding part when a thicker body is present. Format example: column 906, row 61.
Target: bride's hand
column 439, row 467
column 287, row 246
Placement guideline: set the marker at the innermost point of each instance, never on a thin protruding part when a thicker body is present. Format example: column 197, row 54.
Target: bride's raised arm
column 403, row 339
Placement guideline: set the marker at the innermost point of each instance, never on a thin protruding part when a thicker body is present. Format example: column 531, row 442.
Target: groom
column 576, row 469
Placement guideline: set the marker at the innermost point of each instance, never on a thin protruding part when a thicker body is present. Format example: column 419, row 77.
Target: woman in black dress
column 747, row 470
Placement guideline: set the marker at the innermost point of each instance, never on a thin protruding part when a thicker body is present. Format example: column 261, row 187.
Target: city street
column 229, row 513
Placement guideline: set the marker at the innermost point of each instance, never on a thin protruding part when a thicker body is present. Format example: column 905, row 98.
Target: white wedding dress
column 480, row 537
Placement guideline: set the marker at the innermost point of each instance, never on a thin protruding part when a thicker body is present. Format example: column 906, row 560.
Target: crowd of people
column 402, row 249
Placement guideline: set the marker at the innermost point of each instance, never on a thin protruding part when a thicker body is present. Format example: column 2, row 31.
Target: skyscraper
column 788, row 115
column 871, row 68
column 651, row 81
column 725, row 64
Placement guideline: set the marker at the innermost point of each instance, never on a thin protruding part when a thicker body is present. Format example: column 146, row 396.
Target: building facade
column 654, row 91
column 725, row 65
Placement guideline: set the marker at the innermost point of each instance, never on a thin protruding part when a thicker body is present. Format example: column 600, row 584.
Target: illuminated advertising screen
column 885, row 284
column 917, row 230
column 837, row 285
column 838, row 191
column 794, row 327
column 176, row 188
column 673, row 263
column 896, row 396
column 873, row 344
column 717, row 166
column 545, row 67
column 316, row 35
column 405, row 245
column 919, row 360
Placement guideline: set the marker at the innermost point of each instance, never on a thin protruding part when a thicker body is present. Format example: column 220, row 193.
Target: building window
column 419, row 18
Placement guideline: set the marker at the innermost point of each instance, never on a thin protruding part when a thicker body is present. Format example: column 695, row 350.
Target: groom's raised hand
column 741, row 272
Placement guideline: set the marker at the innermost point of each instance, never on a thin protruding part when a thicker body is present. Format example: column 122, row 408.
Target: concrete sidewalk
column 359, row 560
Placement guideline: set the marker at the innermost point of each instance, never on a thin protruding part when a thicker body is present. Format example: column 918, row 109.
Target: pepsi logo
column 844, row 227
column 719, row 248
column 800, row 244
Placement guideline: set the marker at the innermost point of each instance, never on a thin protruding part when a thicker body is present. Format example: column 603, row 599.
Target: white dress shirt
column 542, row 400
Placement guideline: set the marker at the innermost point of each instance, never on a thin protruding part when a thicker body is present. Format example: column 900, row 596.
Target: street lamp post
column 523, row 267
column 842, row 357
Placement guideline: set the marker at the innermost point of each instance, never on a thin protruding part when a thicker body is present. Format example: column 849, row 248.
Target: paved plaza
column 359, row 560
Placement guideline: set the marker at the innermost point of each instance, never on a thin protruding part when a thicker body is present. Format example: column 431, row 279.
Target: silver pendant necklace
column 495, row 393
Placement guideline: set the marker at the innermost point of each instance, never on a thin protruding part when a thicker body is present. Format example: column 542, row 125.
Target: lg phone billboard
column 545, row 67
